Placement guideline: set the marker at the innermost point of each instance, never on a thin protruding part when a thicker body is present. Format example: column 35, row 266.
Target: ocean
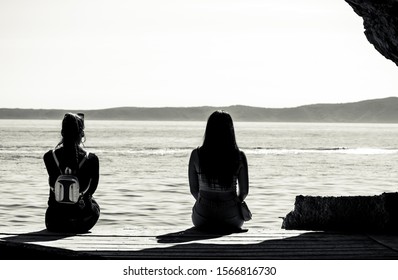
column 144, row 167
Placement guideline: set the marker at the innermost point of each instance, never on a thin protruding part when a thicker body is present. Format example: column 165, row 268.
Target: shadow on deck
column 192, row 244
column 307, row 246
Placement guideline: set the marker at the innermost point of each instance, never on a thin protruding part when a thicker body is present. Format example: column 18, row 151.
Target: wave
column 333, row 150
column 147, row 151
column 21, row 152
column 258, row 151
column 248, row 150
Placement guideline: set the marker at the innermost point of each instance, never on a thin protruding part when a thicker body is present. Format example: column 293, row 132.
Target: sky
column 93, row 54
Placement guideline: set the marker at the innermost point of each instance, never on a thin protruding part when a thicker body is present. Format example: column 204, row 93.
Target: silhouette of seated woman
column 218, row 177
column 73, row 179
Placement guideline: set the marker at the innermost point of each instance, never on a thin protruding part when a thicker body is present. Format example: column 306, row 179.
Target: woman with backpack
column 73, row 179
column 218, row 178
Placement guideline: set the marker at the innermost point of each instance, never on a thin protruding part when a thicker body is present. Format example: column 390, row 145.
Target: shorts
column 74, row 220
column 217, row 215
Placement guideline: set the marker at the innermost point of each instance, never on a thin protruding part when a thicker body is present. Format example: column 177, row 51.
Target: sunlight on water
column 143, row 167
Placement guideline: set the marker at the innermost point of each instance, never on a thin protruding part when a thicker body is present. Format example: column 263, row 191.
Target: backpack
column 67, row 188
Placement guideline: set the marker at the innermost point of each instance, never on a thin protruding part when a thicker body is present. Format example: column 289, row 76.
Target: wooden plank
column 166, row 243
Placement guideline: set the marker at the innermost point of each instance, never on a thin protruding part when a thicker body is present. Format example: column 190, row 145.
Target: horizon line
column 199, row 106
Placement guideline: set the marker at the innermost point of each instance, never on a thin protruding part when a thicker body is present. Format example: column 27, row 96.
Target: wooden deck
column 166, row 243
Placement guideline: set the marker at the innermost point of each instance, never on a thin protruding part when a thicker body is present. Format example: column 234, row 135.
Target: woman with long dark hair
column 73, row 179
column 218, row 177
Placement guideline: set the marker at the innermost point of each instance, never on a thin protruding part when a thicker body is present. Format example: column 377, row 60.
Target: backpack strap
column 84, row 159
column 56, row 161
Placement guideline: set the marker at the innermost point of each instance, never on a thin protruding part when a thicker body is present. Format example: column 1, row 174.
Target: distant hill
column 370, row 111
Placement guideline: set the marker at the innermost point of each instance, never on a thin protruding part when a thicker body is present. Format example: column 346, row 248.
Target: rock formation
column 380, row 20
column 344, row 213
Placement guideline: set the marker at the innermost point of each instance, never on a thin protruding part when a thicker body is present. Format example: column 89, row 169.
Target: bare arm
column 193, row 174
column 95, row 174
column 52, row 169
column 243, row 178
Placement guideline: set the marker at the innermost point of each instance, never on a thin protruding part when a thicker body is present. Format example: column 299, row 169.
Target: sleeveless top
column 200, row 184
column 205, row 185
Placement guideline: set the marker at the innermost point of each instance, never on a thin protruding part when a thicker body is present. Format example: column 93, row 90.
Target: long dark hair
column 219, row 154
column 72, row 136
